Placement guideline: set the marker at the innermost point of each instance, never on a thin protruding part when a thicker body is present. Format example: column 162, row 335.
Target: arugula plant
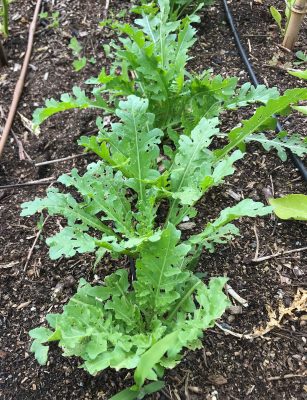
column 129, row 185
column 144, row 325
column 157, row 154
column 151, row 62
column 181, row 8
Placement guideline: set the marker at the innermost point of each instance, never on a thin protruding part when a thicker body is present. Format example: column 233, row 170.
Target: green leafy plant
column 301, row 74
column 4, row 14
column 144, row 324
column 276, row 15
column 301, row 56
column 279, row 18
column 132, row 148
column 152, row 63
column 144, row 328
column 157, row 154
column 291, row 206
column 80, row 62
column 181, row 8
column 53, row 18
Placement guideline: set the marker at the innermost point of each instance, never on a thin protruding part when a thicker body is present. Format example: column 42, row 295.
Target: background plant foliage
column 4, row 17
column 156, row 154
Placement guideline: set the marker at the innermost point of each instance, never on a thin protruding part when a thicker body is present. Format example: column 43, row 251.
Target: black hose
column 295, row 160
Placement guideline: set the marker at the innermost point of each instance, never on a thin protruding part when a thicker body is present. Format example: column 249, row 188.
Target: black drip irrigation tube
column 298, row 163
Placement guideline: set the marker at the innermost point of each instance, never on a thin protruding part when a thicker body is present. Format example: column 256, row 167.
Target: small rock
column 195, row 389
column 58, row 289
column 267, row 191
column 3, row 354
column 297, row 271
column 69, row 281
column 234, row 195
column 235, row 310
column 185, row 226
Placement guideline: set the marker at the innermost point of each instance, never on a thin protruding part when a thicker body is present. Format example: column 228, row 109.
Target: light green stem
column 5, row 6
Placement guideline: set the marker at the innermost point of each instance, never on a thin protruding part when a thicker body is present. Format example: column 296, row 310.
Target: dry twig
column 34, row 243
column 257, row 243
column 60, row 159
column 21, row 151
column 45, row 181
column 186, row 388
column 21, row 80
column 287, row 376
column 281, row 253
column 236, row 296
column 236, row 334
column 106, row 9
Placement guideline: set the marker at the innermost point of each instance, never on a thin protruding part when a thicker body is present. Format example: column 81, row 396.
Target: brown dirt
column 227, row 367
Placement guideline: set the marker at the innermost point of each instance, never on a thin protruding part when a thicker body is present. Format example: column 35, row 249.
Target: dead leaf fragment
column 29, row 125
column 299, row 304
column 217, row 379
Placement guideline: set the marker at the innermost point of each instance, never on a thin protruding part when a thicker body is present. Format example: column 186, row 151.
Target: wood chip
column 9, row 265
column 23, row 305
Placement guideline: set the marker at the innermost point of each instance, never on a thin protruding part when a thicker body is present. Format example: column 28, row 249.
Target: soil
column 270, row 367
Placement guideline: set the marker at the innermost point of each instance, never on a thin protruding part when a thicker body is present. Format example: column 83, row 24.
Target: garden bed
column 228, row 367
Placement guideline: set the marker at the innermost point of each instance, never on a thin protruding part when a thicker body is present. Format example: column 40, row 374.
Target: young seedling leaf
column 277, row 17
column 301, row 109
column 75, row 46
column 79, row 64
